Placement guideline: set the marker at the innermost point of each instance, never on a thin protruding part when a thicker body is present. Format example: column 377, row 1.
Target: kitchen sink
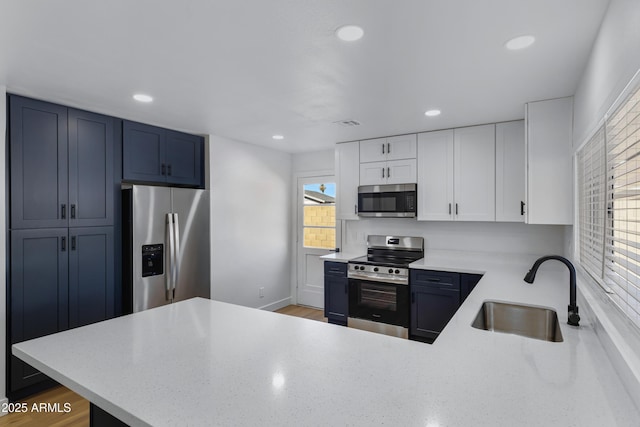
column 524, row 320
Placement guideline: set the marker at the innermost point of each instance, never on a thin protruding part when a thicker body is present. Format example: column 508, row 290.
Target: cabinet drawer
column 440, row 279
column 332, row 268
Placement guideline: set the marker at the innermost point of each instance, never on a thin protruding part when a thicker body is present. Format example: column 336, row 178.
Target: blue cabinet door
column 91, row 275
column 38, row 156
column 184, row 158
column 336, row 292
column 91, row 169
column 431, row 309
column 143, row 149
column 38, row 296
column 156, row 155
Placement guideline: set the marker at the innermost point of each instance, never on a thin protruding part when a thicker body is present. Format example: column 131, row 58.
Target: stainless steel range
column 379, row 284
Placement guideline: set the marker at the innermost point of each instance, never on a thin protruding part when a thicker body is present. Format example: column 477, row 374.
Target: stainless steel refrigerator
column 165, row 245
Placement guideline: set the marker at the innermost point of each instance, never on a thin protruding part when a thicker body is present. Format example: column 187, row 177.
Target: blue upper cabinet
column 91, row 169
column 38, row 152
column 62, row 166
column 184, row 158
column 156, row 155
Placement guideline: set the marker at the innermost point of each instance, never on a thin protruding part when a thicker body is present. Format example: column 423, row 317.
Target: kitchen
column 243, row 175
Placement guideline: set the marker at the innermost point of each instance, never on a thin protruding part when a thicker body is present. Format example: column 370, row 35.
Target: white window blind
column 622, row 232
column 591, row 184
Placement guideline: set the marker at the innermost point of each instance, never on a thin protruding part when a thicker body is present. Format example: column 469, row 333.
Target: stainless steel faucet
column 574, row 318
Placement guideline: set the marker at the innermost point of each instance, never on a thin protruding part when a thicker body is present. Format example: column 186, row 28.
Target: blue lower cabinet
column 435, row 297
column 61, row 278
column 336, row 292
column 467, row 283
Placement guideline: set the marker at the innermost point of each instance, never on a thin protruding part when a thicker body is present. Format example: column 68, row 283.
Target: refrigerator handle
column 168, row 278
column 176, row 264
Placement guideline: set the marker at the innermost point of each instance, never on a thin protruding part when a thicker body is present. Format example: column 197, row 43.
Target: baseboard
column 276, row 305
column 3, row 404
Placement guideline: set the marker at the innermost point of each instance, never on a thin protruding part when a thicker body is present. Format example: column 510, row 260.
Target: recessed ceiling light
column 349, row 33
column 277, row 137
column 520, row 42
column 142, row 97
column 432, row 113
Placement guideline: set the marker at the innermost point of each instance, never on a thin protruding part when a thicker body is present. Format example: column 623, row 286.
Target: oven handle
column 404, row 281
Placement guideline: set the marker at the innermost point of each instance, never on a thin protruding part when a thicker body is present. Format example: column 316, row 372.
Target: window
column 609, row 205
column 319, row 213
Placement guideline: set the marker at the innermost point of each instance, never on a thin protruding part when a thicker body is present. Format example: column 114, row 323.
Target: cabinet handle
column 64, row 244
column 383, row 172
column 449, row 208
column 169, row 170
column 382, row 148
column 521, row 208
column 63, row 212
column 388, row 173
column 433, row 279
column 73, row 243
column 163, row 169
column 456, row 209
column 355, row 209
column 388, row 148
column 73, row 211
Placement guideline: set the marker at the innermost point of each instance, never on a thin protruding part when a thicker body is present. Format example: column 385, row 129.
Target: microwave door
column 388, row 203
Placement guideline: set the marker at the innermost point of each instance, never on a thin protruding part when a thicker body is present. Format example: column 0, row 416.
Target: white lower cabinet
column 347, row 164
column 389, row 172
column 456, row 177
column 510, row 171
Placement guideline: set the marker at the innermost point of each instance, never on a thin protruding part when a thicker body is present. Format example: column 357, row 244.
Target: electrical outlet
column 261, row 292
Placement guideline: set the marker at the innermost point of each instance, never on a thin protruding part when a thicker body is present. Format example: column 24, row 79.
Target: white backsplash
column 515, row 238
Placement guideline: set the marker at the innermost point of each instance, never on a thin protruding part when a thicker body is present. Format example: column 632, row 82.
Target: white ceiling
column 248, row 69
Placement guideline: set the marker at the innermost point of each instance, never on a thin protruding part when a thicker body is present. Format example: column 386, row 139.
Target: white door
column 475, row 173
column 317, row 236
column 510, row 171
column 435, row 176
column 401, row 171
column 374, row 173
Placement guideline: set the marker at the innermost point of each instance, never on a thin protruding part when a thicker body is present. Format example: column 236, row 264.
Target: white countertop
column 340, row 256
column 202, row 362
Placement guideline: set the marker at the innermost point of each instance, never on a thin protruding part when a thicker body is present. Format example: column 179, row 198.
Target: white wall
column 314, row 161
column 465, row 236
column 3, row 241
column 613, row 62
column 250, row 218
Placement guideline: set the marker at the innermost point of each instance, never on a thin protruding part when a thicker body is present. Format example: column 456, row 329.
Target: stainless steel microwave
column 391, row 201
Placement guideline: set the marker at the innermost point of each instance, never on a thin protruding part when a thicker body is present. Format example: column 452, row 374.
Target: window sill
column 617, row 334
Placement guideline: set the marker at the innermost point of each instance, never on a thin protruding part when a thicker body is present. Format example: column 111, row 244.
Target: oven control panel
column 378, row 273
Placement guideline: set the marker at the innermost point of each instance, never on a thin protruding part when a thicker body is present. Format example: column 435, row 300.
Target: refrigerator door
column 150, row 207
column 192, row 269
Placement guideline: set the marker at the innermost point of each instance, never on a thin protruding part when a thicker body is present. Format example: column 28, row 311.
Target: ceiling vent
column 347, row 123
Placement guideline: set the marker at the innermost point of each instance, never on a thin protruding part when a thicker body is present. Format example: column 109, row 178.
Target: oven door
column 379, row 302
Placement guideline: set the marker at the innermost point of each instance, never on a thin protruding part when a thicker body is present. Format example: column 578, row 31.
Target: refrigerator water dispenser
column 152, row 260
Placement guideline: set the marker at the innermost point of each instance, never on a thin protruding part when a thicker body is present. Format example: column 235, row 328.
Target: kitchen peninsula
column 203, row 362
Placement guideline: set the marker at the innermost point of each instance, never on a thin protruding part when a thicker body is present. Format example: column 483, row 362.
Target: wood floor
column 78, row 416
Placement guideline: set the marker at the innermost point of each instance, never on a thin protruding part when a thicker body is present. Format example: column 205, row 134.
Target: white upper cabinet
column 391, row 172
column 347, row 164
column 435, row 176
column 474, row 173
column 456, row 174
column 392, row 148
column 388, row 160
column 510, row 171
column 549, row 151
